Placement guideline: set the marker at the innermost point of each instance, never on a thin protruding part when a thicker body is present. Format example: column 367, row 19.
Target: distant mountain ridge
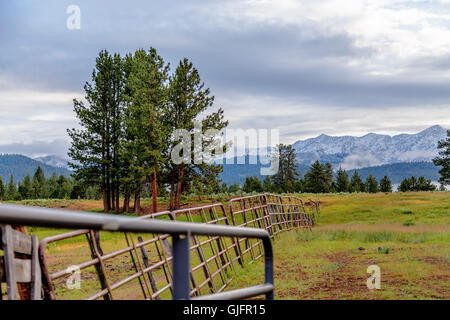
column 371, row 149
column 399, row 171
column 19, row 166
column 396, row 172
column 398, row 156
column 54, row 161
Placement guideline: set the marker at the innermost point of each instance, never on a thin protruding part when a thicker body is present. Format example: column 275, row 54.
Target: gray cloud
column 37, row 148
column 356, row 161
column 296, row 60
column 298, row 74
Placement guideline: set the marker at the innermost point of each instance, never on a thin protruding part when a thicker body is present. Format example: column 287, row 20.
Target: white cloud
column 306, row 67
column 301, row 120
column 399, row 31
column 28, row 115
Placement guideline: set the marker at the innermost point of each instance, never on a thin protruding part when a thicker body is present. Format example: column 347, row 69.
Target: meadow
column 405, row 234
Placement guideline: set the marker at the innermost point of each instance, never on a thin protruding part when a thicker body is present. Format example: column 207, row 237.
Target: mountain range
column 371, row 149
column 398, row 156
column 19, row 166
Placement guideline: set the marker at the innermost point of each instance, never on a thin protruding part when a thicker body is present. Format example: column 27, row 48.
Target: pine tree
column 329, row 174
column 224, row 188
column 2, row 190
column 405, row 185
column 385, row 184
column 38, row 186
column 252, row 184
column 257, row 185
column 443, row 160
column 207, row 176
column 234, row 188
column 187, row 100
column 299, row 186
column 146, row 97
column 52, row 186
column 424, row 184
column 78, row 190
column 416, row 184
column 284, row 180
column 356, row 183
column 342, row 181
column 371, row 184
column 94, row 148
column 267, row 184
column 64, row 187
column 318, row 179
column 25, row 189
column 11, row 189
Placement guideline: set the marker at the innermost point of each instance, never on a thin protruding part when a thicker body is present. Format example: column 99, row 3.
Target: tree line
column 38, row 187
column 320, row 178
column 132, row 107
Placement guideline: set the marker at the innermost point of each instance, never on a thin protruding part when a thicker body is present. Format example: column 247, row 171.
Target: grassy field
column 405, row 234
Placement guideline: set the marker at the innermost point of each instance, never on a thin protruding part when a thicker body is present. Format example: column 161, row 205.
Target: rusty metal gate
column 145, row 261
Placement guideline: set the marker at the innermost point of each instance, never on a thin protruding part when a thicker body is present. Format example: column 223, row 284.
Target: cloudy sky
column 306, row 67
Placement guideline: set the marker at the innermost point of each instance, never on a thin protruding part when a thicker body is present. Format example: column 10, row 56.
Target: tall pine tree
column 342, row 182
column 38, row 185
column 188, row 98
column 286, row 177
column 94, row 148
column 25, row 189
column 146, row 99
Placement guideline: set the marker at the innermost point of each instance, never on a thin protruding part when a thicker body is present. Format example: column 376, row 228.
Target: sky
column 303, row 67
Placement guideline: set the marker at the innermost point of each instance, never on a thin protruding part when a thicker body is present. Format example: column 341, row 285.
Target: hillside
column 399, row 171
column 396, row 172
column 19, row 166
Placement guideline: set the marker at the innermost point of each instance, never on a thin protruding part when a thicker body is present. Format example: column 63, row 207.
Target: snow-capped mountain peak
column 371, row 149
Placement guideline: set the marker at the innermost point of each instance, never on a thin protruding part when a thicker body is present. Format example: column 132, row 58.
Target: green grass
column 429, row 208
column 332, row 265
column 405, row 234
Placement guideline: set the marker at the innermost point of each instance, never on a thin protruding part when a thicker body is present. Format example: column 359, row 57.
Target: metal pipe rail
column 180, row 232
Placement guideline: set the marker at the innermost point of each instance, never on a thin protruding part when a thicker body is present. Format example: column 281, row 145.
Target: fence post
column 268, row 257
column 181, row 267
